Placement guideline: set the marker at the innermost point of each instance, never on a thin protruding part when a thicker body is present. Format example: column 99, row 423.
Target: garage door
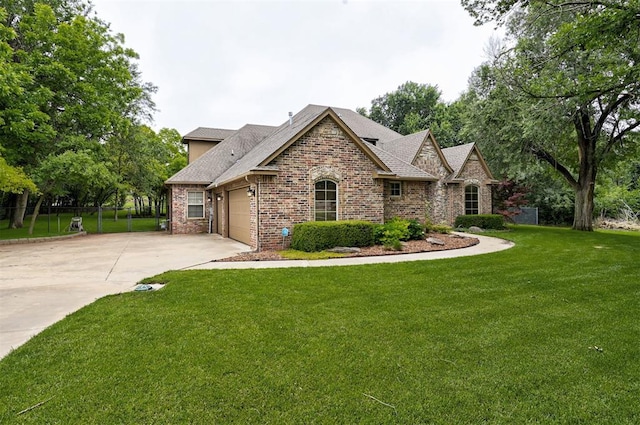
column 239, row 217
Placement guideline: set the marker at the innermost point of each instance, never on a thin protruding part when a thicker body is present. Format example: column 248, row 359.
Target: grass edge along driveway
column 546, row 332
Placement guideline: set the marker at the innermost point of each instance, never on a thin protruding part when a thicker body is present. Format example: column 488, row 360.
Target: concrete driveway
column 41, row 283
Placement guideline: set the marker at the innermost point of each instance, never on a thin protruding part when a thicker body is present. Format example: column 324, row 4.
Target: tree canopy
column 68, row 85
column 565, row 88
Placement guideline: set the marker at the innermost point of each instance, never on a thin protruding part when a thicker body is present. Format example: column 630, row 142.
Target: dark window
column 471, row 200
column 395, row 188
column 326, row 202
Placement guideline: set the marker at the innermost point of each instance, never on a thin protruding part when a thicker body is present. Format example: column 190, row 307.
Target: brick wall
column 410, row 205
column 325, row 152
column 179, row 222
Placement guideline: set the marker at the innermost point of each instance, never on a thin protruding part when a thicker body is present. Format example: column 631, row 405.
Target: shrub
column 443, row 229
column 484, row 221
column 436, row 228
column 416, row 230
column 396, row 230
column 314, row 236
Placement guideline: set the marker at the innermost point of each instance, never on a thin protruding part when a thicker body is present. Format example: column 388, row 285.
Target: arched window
column 326, row 201
column 471, row 200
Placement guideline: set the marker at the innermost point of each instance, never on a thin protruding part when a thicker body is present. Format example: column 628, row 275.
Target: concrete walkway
column 42, row 283
column 487, row 245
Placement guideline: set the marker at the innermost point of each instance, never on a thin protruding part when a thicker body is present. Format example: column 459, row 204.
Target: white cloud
column 224, row 63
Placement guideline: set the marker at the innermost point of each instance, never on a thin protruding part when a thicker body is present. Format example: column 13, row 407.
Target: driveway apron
column 41, row 283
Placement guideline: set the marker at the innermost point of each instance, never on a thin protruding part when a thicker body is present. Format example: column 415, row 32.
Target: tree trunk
column 17, row 220
column 583, row 209
column 34, row 216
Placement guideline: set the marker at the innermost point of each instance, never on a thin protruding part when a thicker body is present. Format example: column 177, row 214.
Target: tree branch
column 543, row 155
column 608, row 110
column 618, row 138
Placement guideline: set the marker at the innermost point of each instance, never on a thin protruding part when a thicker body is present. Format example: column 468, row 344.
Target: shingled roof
column 456, row 156
column 208, row 134
column 406, row 147
column 253, row 147
column 216, row 161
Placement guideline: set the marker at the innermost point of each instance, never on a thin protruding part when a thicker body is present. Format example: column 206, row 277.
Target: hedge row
column 313, row 236
column 483, row 221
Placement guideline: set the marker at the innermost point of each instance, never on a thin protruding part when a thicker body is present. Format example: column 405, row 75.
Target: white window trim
column 199, row 204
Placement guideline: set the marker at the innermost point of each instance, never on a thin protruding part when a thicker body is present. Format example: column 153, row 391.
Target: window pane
column 195, row 197
column 326, row 200
column 195, row 211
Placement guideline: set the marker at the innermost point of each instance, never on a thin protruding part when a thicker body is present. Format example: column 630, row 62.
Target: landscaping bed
column 451, row 241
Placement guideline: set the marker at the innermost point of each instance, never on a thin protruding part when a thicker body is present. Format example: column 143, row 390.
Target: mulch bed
column 410, row 247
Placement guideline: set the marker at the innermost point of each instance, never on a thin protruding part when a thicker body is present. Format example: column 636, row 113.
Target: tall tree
column 408, row 109
column 569, row 79
column 77, row 83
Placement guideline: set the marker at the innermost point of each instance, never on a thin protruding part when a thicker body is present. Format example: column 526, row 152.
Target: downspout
column 258, row 214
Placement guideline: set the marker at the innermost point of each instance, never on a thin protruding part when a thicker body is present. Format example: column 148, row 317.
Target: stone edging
column 38, row 240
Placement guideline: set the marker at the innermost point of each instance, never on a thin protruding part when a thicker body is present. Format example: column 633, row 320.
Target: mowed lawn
column 545, row 332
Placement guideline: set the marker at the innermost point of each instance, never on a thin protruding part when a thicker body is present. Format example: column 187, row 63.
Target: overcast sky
column 228, row 63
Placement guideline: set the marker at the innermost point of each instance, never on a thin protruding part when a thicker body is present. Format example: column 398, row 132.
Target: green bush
column 314, row 236
column 484, row 221
column 396, row 230
column 436, row 228
column 443, row 229
column 416, row 230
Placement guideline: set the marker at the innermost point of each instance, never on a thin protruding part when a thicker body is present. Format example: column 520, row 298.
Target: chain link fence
column 59, row 220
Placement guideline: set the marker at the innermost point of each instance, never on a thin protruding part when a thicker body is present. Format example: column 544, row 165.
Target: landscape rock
column 475, row 229
column 344, row 250
column 435, row 241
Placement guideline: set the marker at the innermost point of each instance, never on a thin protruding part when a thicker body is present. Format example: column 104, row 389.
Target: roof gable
column 457, row 156
column 409, row 147
column 287, row 134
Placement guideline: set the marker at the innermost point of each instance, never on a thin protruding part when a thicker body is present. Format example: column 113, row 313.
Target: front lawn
column 545, row 332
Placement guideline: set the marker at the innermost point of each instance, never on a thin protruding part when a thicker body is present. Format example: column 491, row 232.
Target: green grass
column 57, row 224
column 504, row 338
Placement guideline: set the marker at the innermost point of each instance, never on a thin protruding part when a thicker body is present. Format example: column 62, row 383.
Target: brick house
column 323, row 163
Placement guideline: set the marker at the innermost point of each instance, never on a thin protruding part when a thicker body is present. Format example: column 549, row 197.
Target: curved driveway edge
column 42, row 283
column 486, row 245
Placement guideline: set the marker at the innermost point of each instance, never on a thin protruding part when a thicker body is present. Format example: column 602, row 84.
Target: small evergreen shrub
column 436, row 228
column 484, row 221
column 442, row 229
column 314, row 236
column 416, row 230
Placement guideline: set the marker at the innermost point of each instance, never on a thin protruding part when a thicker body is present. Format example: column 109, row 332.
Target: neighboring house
column 324, row 163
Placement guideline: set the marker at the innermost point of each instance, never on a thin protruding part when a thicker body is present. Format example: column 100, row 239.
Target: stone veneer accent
column 437, row 193
column 473, row 173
